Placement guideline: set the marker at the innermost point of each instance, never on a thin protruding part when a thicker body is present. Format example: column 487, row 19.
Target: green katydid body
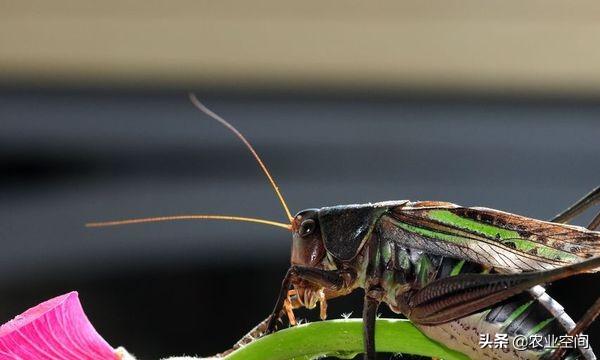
column 394, row 249
column 500, row 242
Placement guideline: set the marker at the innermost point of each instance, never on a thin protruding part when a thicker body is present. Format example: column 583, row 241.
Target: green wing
column 489, row 237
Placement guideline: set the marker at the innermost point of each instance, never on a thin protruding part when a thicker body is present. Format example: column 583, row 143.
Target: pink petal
column 54, row 329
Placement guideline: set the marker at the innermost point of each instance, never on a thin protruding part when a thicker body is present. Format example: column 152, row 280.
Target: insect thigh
column 531, row 315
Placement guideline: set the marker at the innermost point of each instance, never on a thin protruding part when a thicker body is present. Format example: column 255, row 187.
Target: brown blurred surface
column 530, row 47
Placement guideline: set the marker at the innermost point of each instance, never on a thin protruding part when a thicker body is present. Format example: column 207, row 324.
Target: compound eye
column 307, row 227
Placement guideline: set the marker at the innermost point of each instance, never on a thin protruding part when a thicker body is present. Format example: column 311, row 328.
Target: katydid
column 456, row 272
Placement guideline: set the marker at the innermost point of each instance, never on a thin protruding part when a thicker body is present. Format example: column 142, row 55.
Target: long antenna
column 213, row 115
column 188, row 217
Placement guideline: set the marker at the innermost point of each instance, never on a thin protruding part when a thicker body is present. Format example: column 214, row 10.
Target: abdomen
column 531, row 316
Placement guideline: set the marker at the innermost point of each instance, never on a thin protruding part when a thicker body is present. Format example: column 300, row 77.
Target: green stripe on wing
column 507, row 237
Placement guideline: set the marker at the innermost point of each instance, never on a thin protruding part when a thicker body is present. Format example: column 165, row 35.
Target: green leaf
column 343, row 339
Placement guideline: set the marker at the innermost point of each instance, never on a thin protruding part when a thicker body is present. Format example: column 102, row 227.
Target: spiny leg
column 595, row 223
column 252, row 335
column 279, row 304
column 564, row 217
column 457, row 296
column 322, row 305
column 327, row 279
column 581, row 326
column 450, row 298
column 289, row 307
column 369, row 316
column 590, row 315
column 373, row 295
column 261, row 329
column 580, row 206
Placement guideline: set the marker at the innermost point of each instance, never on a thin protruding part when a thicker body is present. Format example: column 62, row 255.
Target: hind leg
column 577, row 208
column 593, row 197
column 595, row 224
column 581, row 326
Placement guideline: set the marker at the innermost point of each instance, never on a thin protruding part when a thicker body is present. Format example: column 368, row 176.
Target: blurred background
column 479, row 103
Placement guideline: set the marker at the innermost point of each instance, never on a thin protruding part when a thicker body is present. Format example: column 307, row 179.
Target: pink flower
column 54, row 329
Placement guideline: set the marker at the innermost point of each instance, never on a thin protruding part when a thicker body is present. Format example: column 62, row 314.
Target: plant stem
column 344, row 339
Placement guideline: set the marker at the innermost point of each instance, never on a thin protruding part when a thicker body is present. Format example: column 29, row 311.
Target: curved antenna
column 213, row 115
column 189, row 217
